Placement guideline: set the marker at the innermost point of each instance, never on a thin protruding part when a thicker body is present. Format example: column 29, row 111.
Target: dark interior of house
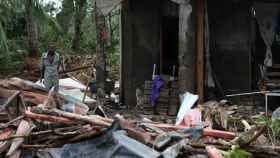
column 169, row 45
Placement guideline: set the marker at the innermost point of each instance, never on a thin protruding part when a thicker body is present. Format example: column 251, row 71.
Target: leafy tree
column 34, row 15
column 26, row 28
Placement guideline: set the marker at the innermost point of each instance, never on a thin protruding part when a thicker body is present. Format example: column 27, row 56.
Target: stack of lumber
column 168, row 101
column 87, row 62
column 147, row 107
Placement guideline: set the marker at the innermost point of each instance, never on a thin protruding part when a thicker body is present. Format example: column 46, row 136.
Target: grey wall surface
column 140, row 45
column 229, row 23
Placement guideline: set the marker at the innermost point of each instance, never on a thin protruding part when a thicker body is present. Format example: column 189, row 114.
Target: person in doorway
column 49, row 68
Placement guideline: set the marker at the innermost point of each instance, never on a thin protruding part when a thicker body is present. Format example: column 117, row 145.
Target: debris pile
column 85, row 63
column 33, row 121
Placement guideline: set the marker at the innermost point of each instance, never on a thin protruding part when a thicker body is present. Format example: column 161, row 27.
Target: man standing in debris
column 49, row 68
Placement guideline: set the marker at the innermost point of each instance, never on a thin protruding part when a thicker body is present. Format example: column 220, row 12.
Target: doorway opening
column 169, row 45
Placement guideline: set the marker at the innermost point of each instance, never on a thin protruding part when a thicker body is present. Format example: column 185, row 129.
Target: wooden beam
column 200, row 50
column 127, row 95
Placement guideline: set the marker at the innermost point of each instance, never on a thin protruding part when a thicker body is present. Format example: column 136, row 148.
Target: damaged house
column 223, row 47
column 168, row 47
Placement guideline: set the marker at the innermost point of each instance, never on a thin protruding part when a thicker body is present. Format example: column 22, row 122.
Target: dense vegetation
column 27, row 28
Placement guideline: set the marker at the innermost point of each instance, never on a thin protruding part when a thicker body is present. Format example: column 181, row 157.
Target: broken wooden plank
column 16, row 154
column 24, row 128
column 48, row 118
column 94, row 120
column 219, row 134
column 6, row 133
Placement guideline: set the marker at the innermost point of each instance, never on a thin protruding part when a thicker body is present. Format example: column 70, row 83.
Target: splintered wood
column 36, row 121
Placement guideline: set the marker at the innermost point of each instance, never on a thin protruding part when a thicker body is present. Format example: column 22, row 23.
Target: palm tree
column 65, row 16
column 80, row 13
column 34, row 14
column 32, row 35
column 4, row 12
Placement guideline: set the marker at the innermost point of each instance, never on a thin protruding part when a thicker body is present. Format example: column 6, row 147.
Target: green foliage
column 64, row 17
column 236, row 152
column 273, row 127
column 53, row 25
column 4, row 51
column 3, row 20
column 3, row 41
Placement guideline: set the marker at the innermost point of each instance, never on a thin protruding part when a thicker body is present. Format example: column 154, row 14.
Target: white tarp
column 188, row 101
column 71, row 83
column 76, row 94
column 70, row 87
column 106, row 6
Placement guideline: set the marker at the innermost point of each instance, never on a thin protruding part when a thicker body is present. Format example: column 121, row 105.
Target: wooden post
column 187, row 54
column 127, row 54
column 100, row 49
column 200, row 49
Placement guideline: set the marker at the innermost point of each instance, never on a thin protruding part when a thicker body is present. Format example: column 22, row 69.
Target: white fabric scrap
column 188, row 101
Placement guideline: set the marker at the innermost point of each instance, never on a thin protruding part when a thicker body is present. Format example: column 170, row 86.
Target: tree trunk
column 32, row 37
column 80, row 14
column 100, row 49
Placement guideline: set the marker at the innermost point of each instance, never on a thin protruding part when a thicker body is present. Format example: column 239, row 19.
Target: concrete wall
column 230, row 24
column 140, row 44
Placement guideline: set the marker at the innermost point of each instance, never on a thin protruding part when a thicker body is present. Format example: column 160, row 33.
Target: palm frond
column 39, row 12
column 3, row 41
column 55, row 25
column 43, row 18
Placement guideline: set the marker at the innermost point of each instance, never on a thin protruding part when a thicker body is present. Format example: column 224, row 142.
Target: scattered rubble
column 35, row 123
